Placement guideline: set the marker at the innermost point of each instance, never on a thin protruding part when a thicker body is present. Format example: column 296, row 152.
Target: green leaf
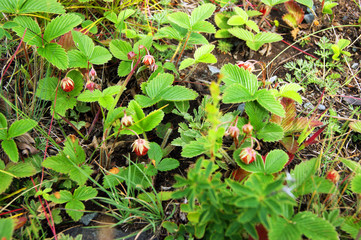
column 240, row 12
column 275, row 161
column 171, row 227
column 22, row 169
column 354, row 166
column 283, row 229
column 257, row 115
column 58, row 163
column 146, row 41
column 20, row 127
column 194, row 148
column 75, row 209
column 80, row 174
column 236, row 20
column 112, row 90
column 6, row 227
column 90, row 26
column 124, row 68
column 181, row 19
column 161, row 82
column 272, row 3
column 252, row 25
column 155, row 152
column 33, row 32
column 242, row 34
column 88, row 96
column 152, row 120
column 63, row 197
column 168, row 32
column 315, row 184
column 356, row 184
column 31, row 6
column 120, row 49
column 266, row 99
column 234, row 74
column 203, row 50
column 352, row 226
column 124, row 14
column 327, row 7
column 3, row 127
column 304, row 171
column 237, row 93
column 61, row 25
column 106, row 101
column 83, row 43
column 267, row 37
column 100, row 55
column 5, row 180
column 73, row 151
column 55, row 54
column 85, row 193
column 186, row 63
column 222, row 33
column 314, row 227
column 145, row 101
column 201, row 13
column 137, row 112
column 77, row 59
column 272, row 132
column 64, row 102
column 168, row 164
column 178, row 93
column 355, row 126
column 308, row 3
column 10, row 148
column 197, row 39
column 204, row 26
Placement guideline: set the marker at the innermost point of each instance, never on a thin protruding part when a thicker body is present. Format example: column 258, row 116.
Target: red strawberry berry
column 140, row 147
column 248, row 155
column 67, row 84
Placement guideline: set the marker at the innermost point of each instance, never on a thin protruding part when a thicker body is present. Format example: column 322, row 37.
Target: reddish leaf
column 290, row 123
column 262, row 233
column 290, row 144
column 312, row 139
column 291, row 156
column 290, row 20
column 239, row 174
column 295, row 9
column 19, row 222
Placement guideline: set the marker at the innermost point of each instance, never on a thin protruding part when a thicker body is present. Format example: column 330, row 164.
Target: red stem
column 12, row 58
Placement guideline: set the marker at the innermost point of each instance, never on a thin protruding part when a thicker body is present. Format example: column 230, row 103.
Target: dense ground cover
column 180, row 119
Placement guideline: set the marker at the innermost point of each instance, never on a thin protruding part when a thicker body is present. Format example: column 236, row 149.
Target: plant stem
column 184, row 46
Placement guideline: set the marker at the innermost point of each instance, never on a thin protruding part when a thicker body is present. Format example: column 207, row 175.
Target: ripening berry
column 90, row 85
column 247, row 128
column 92, row 73
column 246, row 65
column 247, row 155
column 140, row 147
column 126, row 121
column 57, row 195
column 233, row 131
column 67, row 84
column 148, row 60
column 333, row 176
column 153, row 67
column 131, row 55
column 114, row 170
